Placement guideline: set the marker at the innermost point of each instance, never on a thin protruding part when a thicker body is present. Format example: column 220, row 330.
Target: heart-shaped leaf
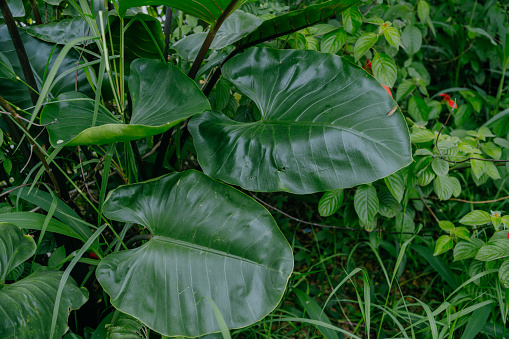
column 209, row 241
column 27, row 305
column 324, row 125
column 162, row 96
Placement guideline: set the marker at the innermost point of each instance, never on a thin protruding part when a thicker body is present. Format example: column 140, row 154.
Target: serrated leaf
column 423, row 10
column 389, row 206
column 494, row 249
column 467, row 249
column 330, row 202
column 392, row 36
column 446, row 225
column 443, row 244
column 503, row 273
column 366, row 203
column 396, row 185
column 384, row 69
column 475, row 218
column 443, row 187
column 421, row 135
column 363, row 44
column 411, row 39
column 440, row 166
column 352, row 19
column 333, row 41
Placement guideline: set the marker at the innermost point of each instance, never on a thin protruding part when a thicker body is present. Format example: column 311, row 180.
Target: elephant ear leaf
column 160, row 95
column 32, row 299
column 209, row 241
column 324, row 125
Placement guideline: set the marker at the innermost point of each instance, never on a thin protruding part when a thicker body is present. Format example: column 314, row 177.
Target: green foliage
column 377, row 132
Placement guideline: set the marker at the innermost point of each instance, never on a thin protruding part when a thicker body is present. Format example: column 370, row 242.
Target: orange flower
column 388, row 90
column 446, row 97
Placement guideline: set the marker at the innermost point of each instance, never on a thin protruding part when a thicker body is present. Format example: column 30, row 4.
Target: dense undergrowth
column 139, row 171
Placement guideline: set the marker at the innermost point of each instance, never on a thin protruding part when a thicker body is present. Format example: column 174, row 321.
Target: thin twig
column 430, row 210
column 17, row 188
column 33, row 123
column 35, row 146
column 461, row 161
column 474, row 202
column 85, row 179
column 326, row 226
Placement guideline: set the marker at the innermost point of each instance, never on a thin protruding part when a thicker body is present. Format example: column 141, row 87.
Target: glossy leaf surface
column 324, row 125
column 210, row 240
column 42, row 56
column 60, row 32
column 26, row 306
column 161, row 96
column 15, row 248
column 206, row 10
column 295, row 20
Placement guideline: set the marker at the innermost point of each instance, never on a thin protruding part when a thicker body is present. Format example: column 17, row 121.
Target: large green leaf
column 162, row 96
column 206, row 10
column 17, row 8
column 234, row 28
column 324, row 125
column 26, row 306
column 42, row 56
column 60, row 32
column 210, row 240
column 295, row 20
column 15, row 248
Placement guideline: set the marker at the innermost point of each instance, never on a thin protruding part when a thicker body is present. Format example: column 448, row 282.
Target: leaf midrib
column 196, row 247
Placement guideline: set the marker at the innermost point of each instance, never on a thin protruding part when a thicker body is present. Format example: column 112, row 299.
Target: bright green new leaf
column 462, row 232
column 323, row 126
column 209, row 241
column 478, row 167
column 421, row 135
column 363, row 44
column 392, row 36
column 492, row 150
column 411, row 39
column 444, row 243
column 476, row 218
column 366, row 203
column 384, row 69
column 162, row 96
column 467, row 249
column 456, row 187
column 446, row 225
column 352, row 19
column 330, row 202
